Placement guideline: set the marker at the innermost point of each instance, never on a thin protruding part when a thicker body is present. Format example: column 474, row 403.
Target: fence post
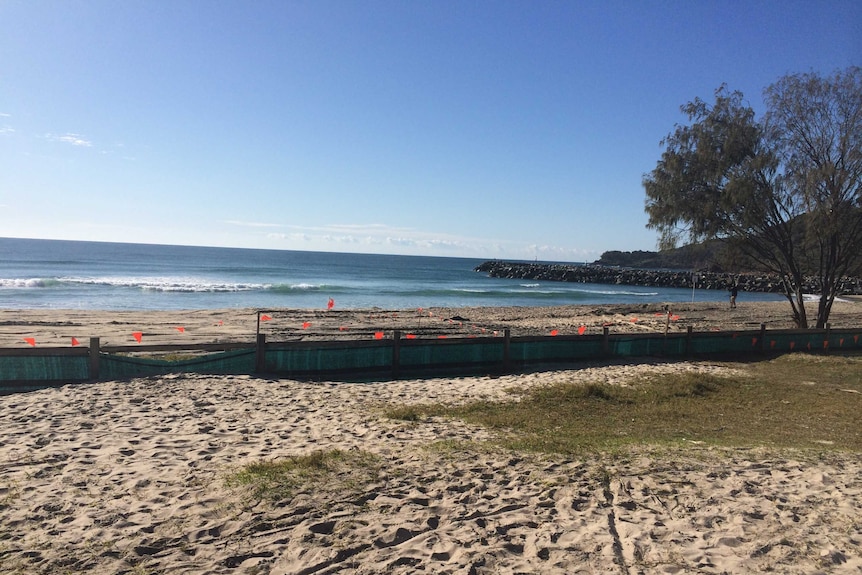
column 828, row 333
column 606, row 341
column 260, row 353
column 507, row 350
column 396, row 354
column 94, row 358
column 762, row 341
column 688, row 335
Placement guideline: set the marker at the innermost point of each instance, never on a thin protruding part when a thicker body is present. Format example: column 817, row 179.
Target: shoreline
column 57, row 327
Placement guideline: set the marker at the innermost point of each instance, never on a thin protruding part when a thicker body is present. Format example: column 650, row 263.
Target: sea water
column 122, row 276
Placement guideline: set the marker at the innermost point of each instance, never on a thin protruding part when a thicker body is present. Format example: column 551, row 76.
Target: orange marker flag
column 75, row 341
column 378, row 335
column 410, row 336
column 306, row 324
column 633, row 320
column 554, row 332
column 180, row 329
column 138, row 336
column 330, row 304
column 31, row 341
column 342, row 328
column 441, row 337
column 582, row 330
column 265, row 317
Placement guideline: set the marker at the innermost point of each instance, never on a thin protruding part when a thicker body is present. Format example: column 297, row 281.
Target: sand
column 130, row 476
column 50, row 327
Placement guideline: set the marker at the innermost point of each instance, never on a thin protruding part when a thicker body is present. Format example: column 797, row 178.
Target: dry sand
column 129, row 477
column 57, row 327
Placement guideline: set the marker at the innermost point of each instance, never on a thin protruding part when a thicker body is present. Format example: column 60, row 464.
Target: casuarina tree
column 784, row 189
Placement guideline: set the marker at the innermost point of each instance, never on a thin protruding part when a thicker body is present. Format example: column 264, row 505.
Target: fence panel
column 22, row 369
column 554, row 350
column 467, row 355
column 225, row 363
column 310, row 361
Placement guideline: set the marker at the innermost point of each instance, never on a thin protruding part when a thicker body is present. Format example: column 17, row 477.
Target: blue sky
column 487, row 129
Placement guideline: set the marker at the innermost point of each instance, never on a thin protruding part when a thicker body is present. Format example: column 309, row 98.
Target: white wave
column 620, row 292
column 530, row 285
column 23, row 283
column 815, row 297
column 167, row 284
column 305, row 286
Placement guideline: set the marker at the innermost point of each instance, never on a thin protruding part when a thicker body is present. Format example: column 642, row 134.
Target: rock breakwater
column 597, row 274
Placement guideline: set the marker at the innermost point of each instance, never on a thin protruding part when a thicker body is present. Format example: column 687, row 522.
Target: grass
column 281, row 479
column 793, row 401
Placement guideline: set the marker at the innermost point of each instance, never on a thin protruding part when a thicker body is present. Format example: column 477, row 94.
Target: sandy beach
column 130, row 476
column 54, row 327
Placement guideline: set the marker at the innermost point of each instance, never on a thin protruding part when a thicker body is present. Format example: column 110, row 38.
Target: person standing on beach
column 734, row 290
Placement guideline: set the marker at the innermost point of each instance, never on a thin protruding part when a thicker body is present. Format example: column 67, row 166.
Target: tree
column 785, row 190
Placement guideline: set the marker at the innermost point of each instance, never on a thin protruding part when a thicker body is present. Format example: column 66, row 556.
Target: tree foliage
column 784, row 190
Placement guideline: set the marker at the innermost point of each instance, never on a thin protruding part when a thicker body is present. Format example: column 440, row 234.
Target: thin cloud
column 409, row 240
column 252, row 224
column 73, row 139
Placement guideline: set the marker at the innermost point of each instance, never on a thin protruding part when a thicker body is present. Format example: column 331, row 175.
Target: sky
column 476, row 128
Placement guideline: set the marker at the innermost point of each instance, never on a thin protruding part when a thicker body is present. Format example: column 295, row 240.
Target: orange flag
column 554, row 332
column 265, row 317
column 75, row 341
column 582, row 330
column 180, row 329
column 410, row 336
column 306, row 324
column 31, row 341
column 378, row 335
column 330, row 304
column 138, row 335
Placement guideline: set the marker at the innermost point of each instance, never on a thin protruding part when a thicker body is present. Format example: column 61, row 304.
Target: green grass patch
column 280, row 479
column 794, row 401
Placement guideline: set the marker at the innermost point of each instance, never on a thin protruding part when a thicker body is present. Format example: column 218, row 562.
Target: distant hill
column 707, row 256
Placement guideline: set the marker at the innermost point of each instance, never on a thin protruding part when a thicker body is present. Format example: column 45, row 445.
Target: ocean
column 123, row 276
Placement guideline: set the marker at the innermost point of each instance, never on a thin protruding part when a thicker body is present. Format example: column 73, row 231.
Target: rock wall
column 651, row 278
